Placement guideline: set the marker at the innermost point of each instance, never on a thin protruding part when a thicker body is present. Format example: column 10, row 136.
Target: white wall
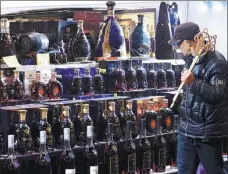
column 215, row 21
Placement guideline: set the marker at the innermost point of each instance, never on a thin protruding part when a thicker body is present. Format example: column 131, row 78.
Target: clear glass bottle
column 67, row 158
column 55, row 88
column 111, row 153
column 3, row 88
column 76, row 87
column 144, row 162
column 12, row 165
column 87, row 83
column 131, row 77
column 38, row 89
column 90, row 154
column 43, row 162
column 98, row 82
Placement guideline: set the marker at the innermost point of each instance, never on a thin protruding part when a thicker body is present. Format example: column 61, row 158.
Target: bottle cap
column 89, row 131
column 43, row 137
column 66, row 133
column 10, row 140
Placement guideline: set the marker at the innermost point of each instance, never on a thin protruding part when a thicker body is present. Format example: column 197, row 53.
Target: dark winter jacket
column 204, row 108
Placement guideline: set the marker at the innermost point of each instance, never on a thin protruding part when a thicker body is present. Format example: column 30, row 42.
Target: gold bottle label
column 85, row 108
column 112, row 106
column 22, row 115
column 43, row 113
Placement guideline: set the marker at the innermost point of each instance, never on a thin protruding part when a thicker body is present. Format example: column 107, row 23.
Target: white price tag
column 93, row 169
column 43, row 59
column 70, row 171
column 11, row 61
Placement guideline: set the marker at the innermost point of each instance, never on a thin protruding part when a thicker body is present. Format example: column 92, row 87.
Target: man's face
column 185, row 48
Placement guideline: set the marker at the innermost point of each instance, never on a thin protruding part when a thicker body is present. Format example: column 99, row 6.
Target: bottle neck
column 143, row 130
column 77, row 74
column 87, row 73
column 37, row 77
column 129, row 135
column 111, row 12
column 90, row 141
column 67, row 144
column 53, row 77
column 43, row 147
column 97, row 72
column 112, row 113
column 11, row 150
column 119, row 64
column 130, row 64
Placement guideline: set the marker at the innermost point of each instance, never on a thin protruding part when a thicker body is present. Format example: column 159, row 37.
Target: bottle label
column 132, row 162
column 162, row 156
column 147, row 160
column 114, row 166
column 70, row 171
column 93, row 170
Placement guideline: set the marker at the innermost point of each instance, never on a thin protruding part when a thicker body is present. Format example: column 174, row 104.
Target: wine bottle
column 112, row 118
column 130, row 116
column 3, row 88
column 129, row 152
column 152, row 78
column 67, row 158
column 127, row 40
column 90, row 154
column 76, row 87
column 159, row 149
column 43, row 162
column 119, row 79
column 38, row 89
column 144, row 163
column 98, row 82
column 55, row 88
column 67, row 123
column 45, row 126
column 111, row 153
column 23, row 136
column 131, row 77
column 141, row 77
column 84, row 120
column 12, row 165
column 87, row 83
column 152, row 41
column 140, row 39
column 162, row 78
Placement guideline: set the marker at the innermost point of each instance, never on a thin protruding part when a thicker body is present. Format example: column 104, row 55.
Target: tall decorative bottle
column 111, row 42
column 152, row 41
column 3, row 88
column 140, row 40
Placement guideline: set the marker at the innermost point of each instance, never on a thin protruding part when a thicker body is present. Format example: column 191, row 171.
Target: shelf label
column 11, row 61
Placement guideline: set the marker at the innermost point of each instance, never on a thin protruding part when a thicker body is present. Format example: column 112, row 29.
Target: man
column 204, row 107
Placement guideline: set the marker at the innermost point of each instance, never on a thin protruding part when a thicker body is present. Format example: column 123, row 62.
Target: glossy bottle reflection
column 119, row 79
column 162, row 79
column 141, row 77
column 55, row 88
column 43, row 162
column 67, row 158
column 87, row 83
column 98, row 82
column 90, row 154
column 131, row 77
column 3, row 88
column 152, row 78
column 23, row 138
column 38, row 89
column 111, row 153
column 12, row 165
column 144, row 163
column 129, row 152
column 76, row 87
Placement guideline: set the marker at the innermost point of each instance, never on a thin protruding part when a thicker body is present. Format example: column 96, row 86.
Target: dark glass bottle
column 76, row 87
column 81, row 50
column 45, row 126
column 111, row 153
column 159, row 149
column 112, row 118
column 127, row 40
column 12, row 165
column 140, row 40
column 87, row 83
column 38, row 89
column 84, row 120
column 67, row 158
column 152, row 78
column 129, row 152
column 54, row 120
column 151, row 119
column 131, row 77
column 141, row 77
column 23, row 136
column 144, row 163
column 130, row 116
column 65, row 122
column 166, row 116
column 3, row 88
column 90, row 154
column 110, row 41
column 162, row 79
column 90, row 38
column 43, row 162
column 98, row 82
column 55, row 88
column 171, row 81
column 15, row 90
column 119, row 79
column 152, row 41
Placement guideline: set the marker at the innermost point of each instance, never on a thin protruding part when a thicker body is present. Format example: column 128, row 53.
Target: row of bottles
column 117, row 42
column 87, row 85
column 132, row 79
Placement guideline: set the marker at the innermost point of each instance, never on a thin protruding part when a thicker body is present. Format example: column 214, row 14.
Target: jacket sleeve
column 216, row 89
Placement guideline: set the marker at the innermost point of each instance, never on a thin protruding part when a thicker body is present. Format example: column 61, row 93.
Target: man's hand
column 187, row 77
